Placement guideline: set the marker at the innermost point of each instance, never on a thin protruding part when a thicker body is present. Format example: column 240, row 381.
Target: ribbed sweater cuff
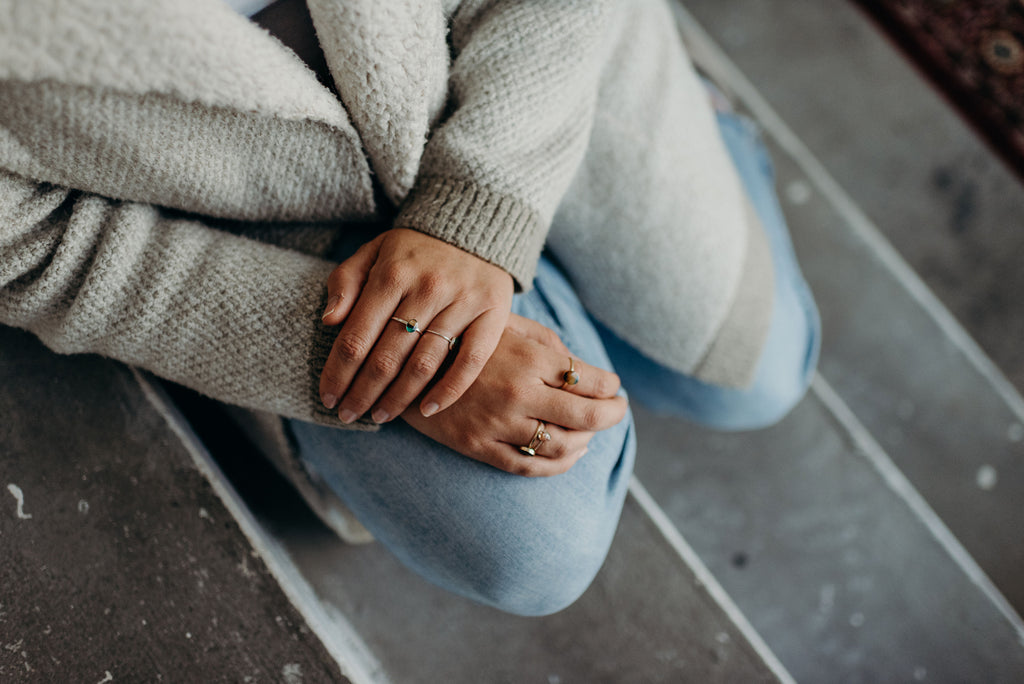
column 497, row 228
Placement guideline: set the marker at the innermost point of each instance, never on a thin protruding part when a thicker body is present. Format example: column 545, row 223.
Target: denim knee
column 542, row 585
column 550, row 536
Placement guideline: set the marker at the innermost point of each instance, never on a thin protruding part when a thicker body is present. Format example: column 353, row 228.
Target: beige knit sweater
column 151, row 152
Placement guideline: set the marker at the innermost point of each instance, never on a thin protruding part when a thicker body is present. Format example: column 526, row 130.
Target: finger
column 508, row 458
column 580, row 413
column 383, row 364
column 560, row 444
column 537, row 332
column 476, row 346
column 346, row 281
column 591, row 381
column 390, row 361
column 430, row 353
column 362, row 328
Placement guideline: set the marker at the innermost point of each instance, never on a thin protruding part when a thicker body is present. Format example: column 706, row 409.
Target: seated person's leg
column 526, row 546
column 791, row 350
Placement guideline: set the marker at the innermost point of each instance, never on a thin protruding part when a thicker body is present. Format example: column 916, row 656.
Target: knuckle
column 447, row 391
column 592, row 417
column 392, row 277
column 474, row 358
column 329, row 378
column 560, row 450
column 357, row 403
column 423, row 366
column 336, row 277
column 384, row 365
column 431, row 284
column 514, row 392
column 351, row 347
column 393, row 404
column 469, row 440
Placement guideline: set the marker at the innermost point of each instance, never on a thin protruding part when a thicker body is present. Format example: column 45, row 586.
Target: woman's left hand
column 376, row 362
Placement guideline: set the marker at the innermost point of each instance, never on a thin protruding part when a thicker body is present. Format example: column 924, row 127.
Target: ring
column 570, row 377
column 410, row 325
column 451, row 340
column 539, row 437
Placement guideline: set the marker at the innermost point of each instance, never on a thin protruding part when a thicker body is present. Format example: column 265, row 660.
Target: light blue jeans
column 532, row 546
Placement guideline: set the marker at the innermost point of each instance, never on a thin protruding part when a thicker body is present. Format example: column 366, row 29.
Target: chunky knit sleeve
column 522, row 92
column 233, row 318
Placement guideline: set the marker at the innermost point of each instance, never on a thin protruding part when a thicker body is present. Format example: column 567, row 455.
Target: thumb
column 346, row 282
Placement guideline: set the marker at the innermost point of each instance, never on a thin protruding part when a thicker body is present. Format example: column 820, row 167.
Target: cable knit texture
column 130, row 129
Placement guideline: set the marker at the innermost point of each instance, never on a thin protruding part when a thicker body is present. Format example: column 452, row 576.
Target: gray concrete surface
column 831, row 566
column 920, row 173
column 936, row 415
column 867, row 561
column 118, row 562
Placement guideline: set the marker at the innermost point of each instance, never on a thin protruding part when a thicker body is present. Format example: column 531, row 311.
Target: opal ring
column 539, row 437
column 570, row 377
column 410, row 325
column 451, row 340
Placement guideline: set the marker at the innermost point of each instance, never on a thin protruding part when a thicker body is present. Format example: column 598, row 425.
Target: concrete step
column 911, row 170
column 654, row 614
column 814, row 527
column 120, row 562
column 908, row 161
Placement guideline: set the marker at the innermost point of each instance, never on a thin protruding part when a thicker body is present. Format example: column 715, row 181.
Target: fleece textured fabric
column 150, row 152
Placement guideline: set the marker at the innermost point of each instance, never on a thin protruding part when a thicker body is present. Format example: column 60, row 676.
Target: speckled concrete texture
column 119, row 563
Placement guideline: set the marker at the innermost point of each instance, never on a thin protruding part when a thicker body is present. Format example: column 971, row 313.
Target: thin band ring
column 410, row 325
column 570, row 377
column 451, row 340
column 539, row 437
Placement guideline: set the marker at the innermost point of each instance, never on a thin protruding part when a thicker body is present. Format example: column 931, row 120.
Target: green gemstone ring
column 410, row 325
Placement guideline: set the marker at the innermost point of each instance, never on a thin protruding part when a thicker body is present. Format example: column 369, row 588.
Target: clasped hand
column 505, row 379
column 382, row 363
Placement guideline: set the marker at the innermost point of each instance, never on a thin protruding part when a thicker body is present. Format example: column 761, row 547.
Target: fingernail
column 347, row 416
column 332, row 304
column 430, row 409
column 380, row 415
column 330, row 401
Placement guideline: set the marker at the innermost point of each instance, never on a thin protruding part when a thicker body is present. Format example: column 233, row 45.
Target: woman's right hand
column 520, row 385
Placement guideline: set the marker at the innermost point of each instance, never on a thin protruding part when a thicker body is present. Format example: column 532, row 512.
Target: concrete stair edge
column 341, row 641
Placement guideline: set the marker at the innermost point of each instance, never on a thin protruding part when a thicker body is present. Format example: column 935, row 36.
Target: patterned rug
column 973, row 50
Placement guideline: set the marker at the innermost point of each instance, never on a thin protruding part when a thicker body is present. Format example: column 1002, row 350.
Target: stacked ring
column 451, row 340
column 570, row 377
column 539, row 437
column 410, row 325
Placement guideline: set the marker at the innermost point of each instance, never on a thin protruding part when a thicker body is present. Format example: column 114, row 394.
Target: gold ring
column 570, row 377
column 451, row 340
column 539, row 437
column 410, row 325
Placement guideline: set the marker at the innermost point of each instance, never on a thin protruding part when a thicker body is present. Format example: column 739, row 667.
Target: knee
column 765, row 407
column 543, row 550
column 772, row 397
column 783, row 376
column 530, row 582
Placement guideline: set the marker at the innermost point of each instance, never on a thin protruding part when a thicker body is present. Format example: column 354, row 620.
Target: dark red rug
column 973, row 50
